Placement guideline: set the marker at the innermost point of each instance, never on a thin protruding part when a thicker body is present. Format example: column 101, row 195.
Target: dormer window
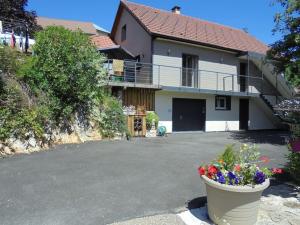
column 123, row 33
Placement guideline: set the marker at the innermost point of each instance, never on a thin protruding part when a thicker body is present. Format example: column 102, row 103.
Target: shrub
column 64, row 78
column 293, row 166
column 67, row 68
column 293, row 157
column 149, row 118
column 110, row 117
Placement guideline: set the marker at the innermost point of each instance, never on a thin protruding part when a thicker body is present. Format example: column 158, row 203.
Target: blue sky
column 255, row 15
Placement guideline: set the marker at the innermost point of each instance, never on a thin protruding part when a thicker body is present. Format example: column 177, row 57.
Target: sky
column 255, row 15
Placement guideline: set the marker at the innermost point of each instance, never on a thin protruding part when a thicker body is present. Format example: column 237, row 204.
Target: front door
column 189, row 71
column 244, row 114
column 188, row 114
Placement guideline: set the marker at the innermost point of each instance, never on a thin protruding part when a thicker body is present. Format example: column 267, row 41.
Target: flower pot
column 234, row 205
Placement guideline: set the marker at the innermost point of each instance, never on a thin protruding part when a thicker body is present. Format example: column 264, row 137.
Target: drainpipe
column 248, row 72
column 262, row 76
column 276, row 88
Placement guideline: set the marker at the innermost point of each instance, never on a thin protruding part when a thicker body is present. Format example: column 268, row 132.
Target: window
column 123, row 33
column 223, row 102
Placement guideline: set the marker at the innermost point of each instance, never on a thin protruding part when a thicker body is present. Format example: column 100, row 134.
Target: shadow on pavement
column 281, row 188
column 197, row 203
column 274, row 137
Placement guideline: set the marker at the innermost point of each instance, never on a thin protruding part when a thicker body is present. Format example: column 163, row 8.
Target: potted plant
column 234, row 184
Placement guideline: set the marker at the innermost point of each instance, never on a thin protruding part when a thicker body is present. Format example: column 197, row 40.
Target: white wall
column 258, row 119
column 138, row 41
column 169, row 55
column 216, row 120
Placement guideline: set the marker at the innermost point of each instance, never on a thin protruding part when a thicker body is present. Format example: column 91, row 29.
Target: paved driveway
column 108, row 181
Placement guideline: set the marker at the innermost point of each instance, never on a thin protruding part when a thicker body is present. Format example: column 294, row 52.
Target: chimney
column 176, row 9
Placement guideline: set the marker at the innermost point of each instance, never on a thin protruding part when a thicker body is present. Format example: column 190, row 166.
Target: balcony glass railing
column 169, row 76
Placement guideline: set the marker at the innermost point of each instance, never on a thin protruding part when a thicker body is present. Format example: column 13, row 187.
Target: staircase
column 270, row 105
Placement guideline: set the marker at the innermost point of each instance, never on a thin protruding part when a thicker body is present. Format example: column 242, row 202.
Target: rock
column 65, row 138
column 18, row 146
column 7, row 150
column 32, row 142
column 294, row 221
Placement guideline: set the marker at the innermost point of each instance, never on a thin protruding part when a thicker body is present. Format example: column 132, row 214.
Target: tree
column 67, row 68
column 14, row 11
column 286, row 52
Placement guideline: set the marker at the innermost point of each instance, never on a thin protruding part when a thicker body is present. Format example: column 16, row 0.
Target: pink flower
column 277, row 171
column 265, row 159
column 237, row 168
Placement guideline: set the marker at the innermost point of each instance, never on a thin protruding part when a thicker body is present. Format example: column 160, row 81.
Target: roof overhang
column 118, row 51
column 195, row 44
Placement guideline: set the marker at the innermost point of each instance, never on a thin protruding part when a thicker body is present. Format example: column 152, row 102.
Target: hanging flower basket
column 234, row 184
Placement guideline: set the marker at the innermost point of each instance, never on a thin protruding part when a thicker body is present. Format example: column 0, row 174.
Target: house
column 88, row 28
column 98, row 35
column 197, row 75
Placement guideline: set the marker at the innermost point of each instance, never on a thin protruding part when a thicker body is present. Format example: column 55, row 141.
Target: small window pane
column 223, row 102
column 123, row 33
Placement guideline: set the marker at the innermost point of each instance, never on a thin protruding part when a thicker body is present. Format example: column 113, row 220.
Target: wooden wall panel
column 139, row 97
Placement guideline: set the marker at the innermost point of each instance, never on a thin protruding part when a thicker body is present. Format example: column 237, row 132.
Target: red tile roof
column 189, row 29
column 102, row 41
column 86, row 27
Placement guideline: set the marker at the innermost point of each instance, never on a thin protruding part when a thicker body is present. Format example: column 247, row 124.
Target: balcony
column 145, row 75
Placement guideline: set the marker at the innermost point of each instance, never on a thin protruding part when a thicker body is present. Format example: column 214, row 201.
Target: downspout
column 262, row 76
column 248, row 71
column 276, row 88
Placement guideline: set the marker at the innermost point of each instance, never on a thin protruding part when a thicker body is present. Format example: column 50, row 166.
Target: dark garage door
column 188, row 114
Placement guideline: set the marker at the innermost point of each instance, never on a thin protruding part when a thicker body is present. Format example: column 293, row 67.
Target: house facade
column 195, row 74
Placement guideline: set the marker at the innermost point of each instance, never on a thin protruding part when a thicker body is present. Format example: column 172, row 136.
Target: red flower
column 277, row 171
column 237, row 168
column 212, row 170
column 201, row 170
column 264, row 159
column 209, row 175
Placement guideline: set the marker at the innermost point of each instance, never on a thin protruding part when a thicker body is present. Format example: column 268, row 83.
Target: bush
column 293, row 166
column 149, row 118
column 67, row 68
column 64, row 78
column 17, row 118
column 110, row 117
column 293, row 157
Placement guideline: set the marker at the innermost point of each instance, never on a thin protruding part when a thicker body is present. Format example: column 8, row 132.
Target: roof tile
column 192, row 29
column 102, row 41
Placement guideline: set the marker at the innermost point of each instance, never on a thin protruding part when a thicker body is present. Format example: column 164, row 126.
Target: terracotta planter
column 234, row 205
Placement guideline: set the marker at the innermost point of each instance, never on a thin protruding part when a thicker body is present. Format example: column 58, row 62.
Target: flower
column 221, row 179
column 241, row 170
column 201, row 170
column 231, row 175
column 259, row 177
column 237, row 168
column 219, row 173
column 277, row 171
column 221, row 161
column 236, row 180
column 212, row 170
column 264, row 159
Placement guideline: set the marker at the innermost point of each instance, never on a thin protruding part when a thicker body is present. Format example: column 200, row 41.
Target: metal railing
column 162, row 75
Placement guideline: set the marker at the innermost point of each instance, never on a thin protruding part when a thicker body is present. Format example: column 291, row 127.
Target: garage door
column 188, row 114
